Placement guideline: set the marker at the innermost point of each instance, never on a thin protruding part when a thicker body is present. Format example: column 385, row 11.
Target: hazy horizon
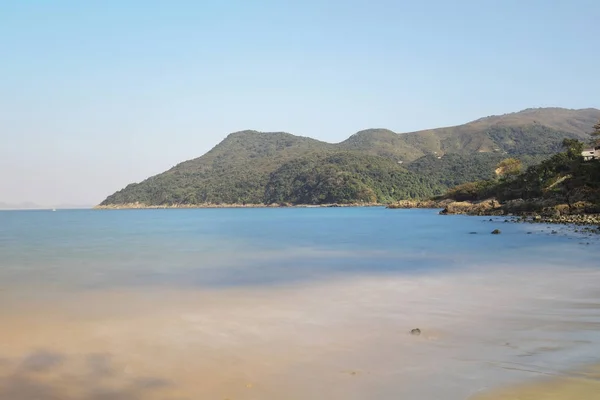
column 100, row 95
column 30, row 205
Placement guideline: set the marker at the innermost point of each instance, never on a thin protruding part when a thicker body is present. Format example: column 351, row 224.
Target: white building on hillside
column 593, row 153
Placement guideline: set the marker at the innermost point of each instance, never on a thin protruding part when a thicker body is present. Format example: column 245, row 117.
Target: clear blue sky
column 98, row 94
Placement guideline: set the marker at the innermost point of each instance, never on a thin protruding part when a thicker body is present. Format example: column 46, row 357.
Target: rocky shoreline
column 536, row 211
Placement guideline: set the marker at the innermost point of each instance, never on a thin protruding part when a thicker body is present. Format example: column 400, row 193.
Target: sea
column 292, row 303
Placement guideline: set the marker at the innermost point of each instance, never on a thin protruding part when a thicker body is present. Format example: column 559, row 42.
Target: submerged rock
column 415, row 332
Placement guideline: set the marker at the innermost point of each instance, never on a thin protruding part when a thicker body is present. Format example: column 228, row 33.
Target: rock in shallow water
column 415, row 332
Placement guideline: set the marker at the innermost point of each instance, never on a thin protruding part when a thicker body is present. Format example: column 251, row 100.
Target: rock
column 529, row 233
column 472, row 233
column 415, row 332
column 496, row 232
column 554, row 232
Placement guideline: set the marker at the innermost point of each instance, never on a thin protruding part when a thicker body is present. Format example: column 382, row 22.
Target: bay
column 289, row 303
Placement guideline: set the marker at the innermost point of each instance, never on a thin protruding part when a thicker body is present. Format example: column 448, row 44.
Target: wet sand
column 584, row 385
column 482, row 334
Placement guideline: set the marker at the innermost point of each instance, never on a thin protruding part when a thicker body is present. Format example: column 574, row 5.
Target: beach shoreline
column 581, row 384
column 141, row 206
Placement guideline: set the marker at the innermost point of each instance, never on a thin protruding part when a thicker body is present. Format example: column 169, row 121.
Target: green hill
column 372, row 165
column 345, row 178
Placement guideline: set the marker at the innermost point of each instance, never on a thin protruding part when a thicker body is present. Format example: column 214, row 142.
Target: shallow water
column 290, row 303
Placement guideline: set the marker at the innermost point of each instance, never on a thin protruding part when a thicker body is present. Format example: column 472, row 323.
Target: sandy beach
column 337, row 340
column 583, row 384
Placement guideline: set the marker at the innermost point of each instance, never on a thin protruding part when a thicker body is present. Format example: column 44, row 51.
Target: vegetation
column 532, row 139
column 564, row 178
column 346, row 178
column 375, row 165
column 509, row 167
column 451, row 169
column 471, row 191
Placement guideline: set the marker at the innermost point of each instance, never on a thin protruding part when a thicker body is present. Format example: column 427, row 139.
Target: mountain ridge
column 239, row 169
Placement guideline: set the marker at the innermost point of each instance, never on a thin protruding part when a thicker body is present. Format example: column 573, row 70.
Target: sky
column 98, row 94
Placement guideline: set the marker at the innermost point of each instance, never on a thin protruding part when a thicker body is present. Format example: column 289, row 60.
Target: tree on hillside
column 569, row 168
column 508, row 167
column 596, row 135
column 573, row 147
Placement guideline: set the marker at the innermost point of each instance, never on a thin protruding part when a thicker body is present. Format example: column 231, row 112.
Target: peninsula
column 375, row 166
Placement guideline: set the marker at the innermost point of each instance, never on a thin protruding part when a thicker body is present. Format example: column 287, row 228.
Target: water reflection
column 48, row 375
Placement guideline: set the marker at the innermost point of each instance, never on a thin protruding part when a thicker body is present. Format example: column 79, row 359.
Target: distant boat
column 54, row 209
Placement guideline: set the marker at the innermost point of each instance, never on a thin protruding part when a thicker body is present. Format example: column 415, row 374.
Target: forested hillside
column 346, row 178
column 375, row 165
column 564, row 183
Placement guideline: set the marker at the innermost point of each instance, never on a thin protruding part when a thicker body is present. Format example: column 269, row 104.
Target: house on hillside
column 593, row 153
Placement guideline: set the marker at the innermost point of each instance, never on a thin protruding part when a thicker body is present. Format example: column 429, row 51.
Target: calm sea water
column 300, row 303
column 225, row 247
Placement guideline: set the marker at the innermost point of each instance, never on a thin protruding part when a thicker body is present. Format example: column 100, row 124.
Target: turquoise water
column 295, row 303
